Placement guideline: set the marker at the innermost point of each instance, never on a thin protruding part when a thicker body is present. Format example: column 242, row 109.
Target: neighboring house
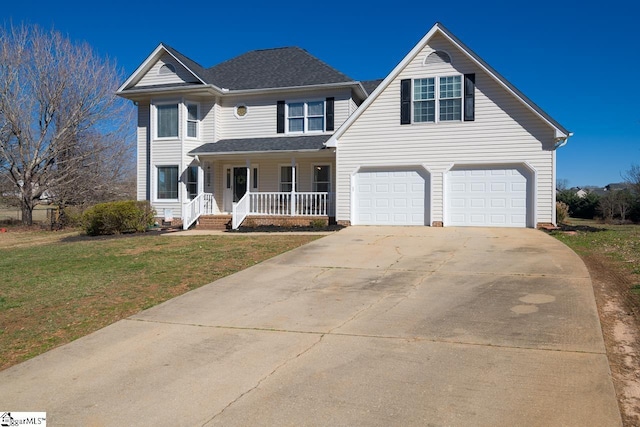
column 580, row 192
column 618, row 186
column 277, row 134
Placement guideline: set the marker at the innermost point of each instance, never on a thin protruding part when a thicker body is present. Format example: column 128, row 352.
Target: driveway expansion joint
column 331, row 332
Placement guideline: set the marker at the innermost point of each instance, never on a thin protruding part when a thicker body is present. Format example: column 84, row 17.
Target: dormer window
column 167, row 69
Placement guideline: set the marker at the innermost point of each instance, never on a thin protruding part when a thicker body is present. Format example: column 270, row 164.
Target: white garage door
column 390, row 198
column 487, row 197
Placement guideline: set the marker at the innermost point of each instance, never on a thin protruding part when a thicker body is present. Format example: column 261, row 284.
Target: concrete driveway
column 368, row 326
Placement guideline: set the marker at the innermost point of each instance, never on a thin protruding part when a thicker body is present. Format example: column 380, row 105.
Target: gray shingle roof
column 246, row 145
column 273, row 68
column 190, row 63
column 371, row 85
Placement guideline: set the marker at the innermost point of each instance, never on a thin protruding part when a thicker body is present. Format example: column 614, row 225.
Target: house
column 278, row 136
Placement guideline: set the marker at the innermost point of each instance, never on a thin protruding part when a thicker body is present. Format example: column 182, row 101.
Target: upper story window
column 450, row 98
column 174, row 119
column 167, row 122
column 192, row 120
column 305, row 116
column 447, row 93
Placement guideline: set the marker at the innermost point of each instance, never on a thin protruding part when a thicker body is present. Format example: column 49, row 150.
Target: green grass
column 619, row 244
column 55, row 292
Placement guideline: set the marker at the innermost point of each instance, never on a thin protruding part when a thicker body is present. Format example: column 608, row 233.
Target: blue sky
column 572, row 58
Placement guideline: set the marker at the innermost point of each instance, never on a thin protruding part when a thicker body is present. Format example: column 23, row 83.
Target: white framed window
column 167, row 182
column 167, row 123
column 450, row 98
column 322, row 178
column 193, row 122
column 286, row 178
column 424, row 100
column 192, row 182
column 437, row 99
column 308, row 116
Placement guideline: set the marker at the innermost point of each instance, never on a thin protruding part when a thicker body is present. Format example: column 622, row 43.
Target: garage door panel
column 486, row 197
column 394, row 198
column 498, row 187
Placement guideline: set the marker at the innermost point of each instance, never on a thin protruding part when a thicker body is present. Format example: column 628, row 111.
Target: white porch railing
column 294, row 204
column 240, row 211
column 202, row 204
column 276, row 204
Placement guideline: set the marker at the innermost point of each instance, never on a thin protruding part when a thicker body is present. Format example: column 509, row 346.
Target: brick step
column 214, row 222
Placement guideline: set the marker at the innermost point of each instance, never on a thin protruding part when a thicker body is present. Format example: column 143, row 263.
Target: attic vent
column 438, row 57
column 167, row 69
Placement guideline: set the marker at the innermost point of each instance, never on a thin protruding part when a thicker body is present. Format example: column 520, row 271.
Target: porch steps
column 214, row 222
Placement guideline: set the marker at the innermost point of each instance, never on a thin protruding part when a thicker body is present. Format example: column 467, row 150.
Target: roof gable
column 438, row 29
column 274, row 68
column 186, row 70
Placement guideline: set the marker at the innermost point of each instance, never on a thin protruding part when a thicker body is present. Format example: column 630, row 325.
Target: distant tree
column 607, row 206
column 63, row 132
column 562, row 184
column 624, row 203
column 632, row 177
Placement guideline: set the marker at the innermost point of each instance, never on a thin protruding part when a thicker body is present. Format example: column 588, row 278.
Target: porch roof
column 261, row 145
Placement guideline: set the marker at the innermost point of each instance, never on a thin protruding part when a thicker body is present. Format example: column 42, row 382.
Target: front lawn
column 54, row 290
column 612, row 255
column 620, row 244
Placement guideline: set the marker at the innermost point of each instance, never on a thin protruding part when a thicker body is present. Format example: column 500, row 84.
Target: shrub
column 118, row 217
column 562, row 212
column 318, row 223
column 580, row 207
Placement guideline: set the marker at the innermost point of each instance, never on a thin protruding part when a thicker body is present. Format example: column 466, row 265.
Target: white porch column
column 248, row 175
column 293, row 186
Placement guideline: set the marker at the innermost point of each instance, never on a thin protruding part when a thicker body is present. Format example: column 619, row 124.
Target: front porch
column 263, row 208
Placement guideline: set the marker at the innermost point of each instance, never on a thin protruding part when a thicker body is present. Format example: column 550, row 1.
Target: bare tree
column 632, row 176
column 624, row 202
column 607, row 206
column 562, row 184
column 62, row 129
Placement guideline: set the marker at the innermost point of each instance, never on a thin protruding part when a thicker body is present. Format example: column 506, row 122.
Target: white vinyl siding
column 261, row 118
column 504, row 131
column 154, row 77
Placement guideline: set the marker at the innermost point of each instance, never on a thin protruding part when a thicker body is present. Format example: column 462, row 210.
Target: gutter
column 227, row 153
column 561, row 142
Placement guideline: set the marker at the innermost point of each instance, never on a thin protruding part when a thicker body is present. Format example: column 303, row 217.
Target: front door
column 239, row 183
